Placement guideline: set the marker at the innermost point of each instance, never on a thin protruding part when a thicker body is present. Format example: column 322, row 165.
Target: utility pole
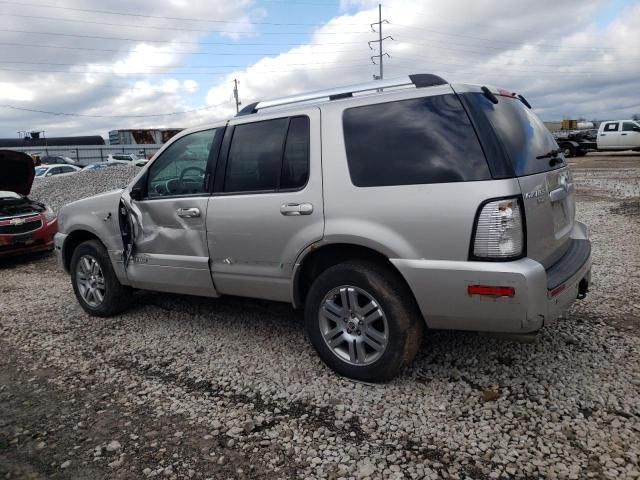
column 235, row 94
column 380, row 40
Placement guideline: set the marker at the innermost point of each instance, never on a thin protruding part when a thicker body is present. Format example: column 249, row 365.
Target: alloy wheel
column 353, row 325
column 90, row 281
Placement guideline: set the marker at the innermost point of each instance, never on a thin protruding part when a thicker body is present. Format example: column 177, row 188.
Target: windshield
column 528, row 144
column 40, row 171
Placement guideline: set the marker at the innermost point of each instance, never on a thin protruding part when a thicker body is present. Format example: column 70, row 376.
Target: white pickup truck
column 619, row 135
column 612, row 135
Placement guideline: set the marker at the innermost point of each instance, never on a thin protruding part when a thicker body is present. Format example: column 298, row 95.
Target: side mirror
column 138, row 190
column 48, row 174
column 137, row 193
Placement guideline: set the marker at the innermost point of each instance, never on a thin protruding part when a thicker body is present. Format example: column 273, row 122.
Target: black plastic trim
column 474, row 258
column 421, row 80
column 248, row 110
column 340, row 96
column 571, row 262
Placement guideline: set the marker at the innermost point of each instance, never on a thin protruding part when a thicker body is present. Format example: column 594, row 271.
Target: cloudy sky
column 110, row 64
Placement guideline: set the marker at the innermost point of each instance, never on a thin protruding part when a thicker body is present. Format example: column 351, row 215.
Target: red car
column 25, row 226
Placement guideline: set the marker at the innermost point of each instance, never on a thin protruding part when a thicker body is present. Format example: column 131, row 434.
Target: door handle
column 623, row 134
column 295, row 209
column 603, row 134
column 192, row 212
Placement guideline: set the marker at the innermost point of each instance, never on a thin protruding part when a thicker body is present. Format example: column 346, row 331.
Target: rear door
column 630, row 135
column 267, row 204
column 534, row 158
column 609, row 136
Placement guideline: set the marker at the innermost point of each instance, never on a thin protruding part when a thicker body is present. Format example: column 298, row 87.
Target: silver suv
column 381, row 209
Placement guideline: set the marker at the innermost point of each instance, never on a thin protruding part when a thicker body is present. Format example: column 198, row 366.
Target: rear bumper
column 441, row 290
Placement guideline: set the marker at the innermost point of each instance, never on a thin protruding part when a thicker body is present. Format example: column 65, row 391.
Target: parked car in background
column 126, row 158
column 381, row 209
column 58, row 160
column 25, row 226
column 100, row 166
column 54, row 170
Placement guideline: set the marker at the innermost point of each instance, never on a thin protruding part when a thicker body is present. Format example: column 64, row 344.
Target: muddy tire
column 363, row 320
column 95, row 283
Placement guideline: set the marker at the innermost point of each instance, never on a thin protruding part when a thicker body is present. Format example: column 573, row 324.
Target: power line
column 504, row 42
column 164, row 28
column 66, row 114
column 168, row 52
column 142, row 40
column 142, row 65
column 85, row 72
column 159, row 17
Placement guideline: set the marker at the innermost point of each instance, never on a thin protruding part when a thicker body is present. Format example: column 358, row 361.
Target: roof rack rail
column 418, row 80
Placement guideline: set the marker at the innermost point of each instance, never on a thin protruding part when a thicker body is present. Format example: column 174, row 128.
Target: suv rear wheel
column 95, row 283
column 363, row 321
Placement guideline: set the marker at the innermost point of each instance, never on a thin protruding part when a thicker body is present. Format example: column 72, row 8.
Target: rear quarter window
column 511, row 129
column 417, row 141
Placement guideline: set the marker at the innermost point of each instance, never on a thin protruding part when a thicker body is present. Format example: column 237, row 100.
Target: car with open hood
column 25, row 225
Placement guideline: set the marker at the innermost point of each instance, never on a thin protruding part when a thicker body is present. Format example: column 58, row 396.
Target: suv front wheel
column 95, row 283
column 363, row 321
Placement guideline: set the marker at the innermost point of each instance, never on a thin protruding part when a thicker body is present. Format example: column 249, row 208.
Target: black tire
column 116, row 298
column 404, row 323
column 568, row 150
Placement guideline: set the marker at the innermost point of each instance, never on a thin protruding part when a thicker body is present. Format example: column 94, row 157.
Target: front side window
column 181, row 168
column 630, row 127
column 269, row 155
column 418, row 141
column 611, row 127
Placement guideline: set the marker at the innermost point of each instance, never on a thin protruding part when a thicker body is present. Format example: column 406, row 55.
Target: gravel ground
column 184, row 387
column 57, row 191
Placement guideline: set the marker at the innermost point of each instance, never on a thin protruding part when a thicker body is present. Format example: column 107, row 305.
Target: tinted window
column 295, row 164
column 255, row 156
column 55, row 170
column 181, row 168
column 629, row 127
column 417, row 141
column 521, row 135
column 611, row 127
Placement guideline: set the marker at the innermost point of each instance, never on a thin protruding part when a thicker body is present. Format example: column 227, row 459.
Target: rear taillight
column 499, row 231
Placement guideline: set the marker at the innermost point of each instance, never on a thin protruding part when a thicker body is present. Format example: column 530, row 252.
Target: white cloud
column 9, row 91
column 576, row 68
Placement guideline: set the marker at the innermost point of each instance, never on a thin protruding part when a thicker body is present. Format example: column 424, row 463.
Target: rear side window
column 417, row 141
column 270, row 155
column 295, row 164
column 630, row 127
column 611, row 127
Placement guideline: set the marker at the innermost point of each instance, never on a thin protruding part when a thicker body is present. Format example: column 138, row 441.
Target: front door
column 609, row 136
column 267, row 205
column 169, row 250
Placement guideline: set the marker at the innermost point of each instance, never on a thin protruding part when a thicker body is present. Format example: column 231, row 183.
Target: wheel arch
column 320, row 256
column 72, row 241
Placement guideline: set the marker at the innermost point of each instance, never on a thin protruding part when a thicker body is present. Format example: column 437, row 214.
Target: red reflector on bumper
column 490, row 291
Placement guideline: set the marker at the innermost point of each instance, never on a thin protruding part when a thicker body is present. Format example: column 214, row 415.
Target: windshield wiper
column 550, row 154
